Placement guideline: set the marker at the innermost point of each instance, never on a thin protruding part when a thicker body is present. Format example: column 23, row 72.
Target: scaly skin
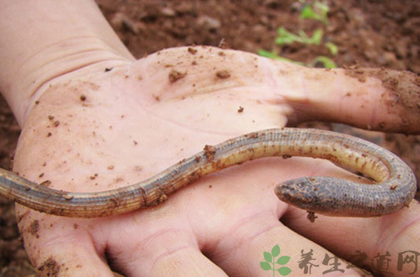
column 332, row 196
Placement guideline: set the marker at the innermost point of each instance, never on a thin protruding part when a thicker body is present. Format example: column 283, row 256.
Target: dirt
column 49, row 268
column 368, row 34
column 402, row 100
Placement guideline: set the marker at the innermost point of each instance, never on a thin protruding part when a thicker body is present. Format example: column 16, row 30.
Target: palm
column 122, row 126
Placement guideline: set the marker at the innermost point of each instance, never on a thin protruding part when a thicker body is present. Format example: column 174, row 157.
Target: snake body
column 395, row 183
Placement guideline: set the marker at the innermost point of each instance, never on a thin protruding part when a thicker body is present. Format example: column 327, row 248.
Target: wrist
column 44, row 42
column 73, row 59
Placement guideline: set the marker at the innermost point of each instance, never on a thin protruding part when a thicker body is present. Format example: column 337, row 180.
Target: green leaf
column 286, row 37
column 265, row 265
column 308, row 12
column 317, row 36
column 267, row 54
column 282, row 32
column 284, row 40
column 332, row 47
column 272, row 55
column 275, row 251
column 268, row 257
column 284, row 271
column 323, row 7
column 283, row 260
column 327, row 62
column 319, row 11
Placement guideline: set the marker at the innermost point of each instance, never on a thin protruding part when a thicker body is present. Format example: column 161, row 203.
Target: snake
column 394, row 183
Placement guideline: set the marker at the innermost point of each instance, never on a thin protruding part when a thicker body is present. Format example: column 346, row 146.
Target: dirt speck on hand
column 176, row 75
column 34, row 228
column 49, row 268
column 223, row 74
column 192, row 50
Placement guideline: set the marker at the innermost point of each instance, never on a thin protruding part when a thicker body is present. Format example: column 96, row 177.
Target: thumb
column 376, row 99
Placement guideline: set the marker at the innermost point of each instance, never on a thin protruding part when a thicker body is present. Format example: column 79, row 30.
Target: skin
column 395, row 183
column 134, row 122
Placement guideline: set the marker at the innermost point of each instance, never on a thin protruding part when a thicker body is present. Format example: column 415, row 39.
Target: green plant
column 317, row 11
column 327, row 62
column 286, row 37
column 275, row 56
column 332, row 47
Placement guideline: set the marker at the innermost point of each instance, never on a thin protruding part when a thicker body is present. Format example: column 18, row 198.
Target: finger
column 393, row 234
column 59, row 247
column 241, row 251
column 377, row 99
column 162, row 247
column 168, row 255
column 237, row 238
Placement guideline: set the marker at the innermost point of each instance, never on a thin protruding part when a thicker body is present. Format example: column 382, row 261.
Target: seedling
column 273, row 55
column 332, row 47
column 327, row 62
column 319, row 11
column 286, row 37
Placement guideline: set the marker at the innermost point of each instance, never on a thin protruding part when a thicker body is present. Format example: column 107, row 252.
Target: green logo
column 269, row 263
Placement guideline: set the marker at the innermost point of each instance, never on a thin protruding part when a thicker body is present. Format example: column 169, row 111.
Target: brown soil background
column 374, row 33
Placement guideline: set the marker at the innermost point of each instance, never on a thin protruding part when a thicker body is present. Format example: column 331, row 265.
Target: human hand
column 95, row 130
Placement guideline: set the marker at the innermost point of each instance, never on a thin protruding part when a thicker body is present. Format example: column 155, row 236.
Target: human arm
column 44, row 40
column 215, row 215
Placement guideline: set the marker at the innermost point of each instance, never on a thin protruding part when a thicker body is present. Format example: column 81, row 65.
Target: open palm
column 116, row 126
